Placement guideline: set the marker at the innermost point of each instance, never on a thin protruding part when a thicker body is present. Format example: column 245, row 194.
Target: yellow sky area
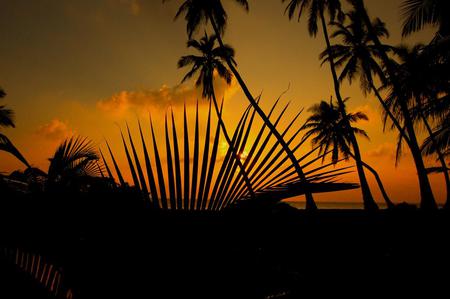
column 79, row 67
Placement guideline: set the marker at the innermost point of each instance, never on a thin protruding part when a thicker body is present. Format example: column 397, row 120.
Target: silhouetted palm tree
column 317, row 10
column 197, row 12
column 74, row 160
column 356, row 55
column 419, row 13
column 210, row 63
column 422, row 83
column 427, row 200
column 7, row 120
column 331, row 133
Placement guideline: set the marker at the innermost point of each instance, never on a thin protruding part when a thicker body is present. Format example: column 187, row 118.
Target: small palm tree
column 208, row 64
column 74, row 160
column 331, row 134
column 197, row 12
column 316, row 10
column 7, row 120
column 419, row 13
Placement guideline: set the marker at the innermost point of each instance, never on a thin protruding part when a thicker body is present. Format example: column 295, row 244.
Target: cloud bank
column 55, row 130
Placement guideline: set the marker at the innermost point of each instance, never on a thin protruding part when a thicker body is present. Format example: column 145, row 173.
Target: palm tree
column 356, row 55
column 422, row 83
column 74, row 161
column 7, row 120
column 317, row 10
column 427, row 200
column 197, row 12
column 419, row 13
column 332, row 134
column 210, row 63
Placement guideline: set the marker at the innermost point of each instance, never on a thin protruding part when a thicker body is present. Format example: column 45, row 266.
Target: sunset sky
column 84, row 67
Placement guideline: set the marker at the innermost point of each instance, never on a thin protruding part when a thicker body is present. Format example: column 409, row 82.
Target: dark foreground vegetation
column 104, row 248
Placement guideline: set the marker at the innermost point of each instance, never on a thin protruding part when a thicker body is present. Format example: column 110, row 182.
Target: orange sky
column 80, row 66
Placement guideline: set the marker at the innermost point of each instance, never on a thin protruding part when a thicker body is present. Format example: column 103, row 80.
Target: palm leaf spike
column 186, row 161
column 130, row 163
column 212, row 162
column 170, row 174
column 260, row 165
column 195, row 162
column 212, row 203
column 140, row 173
column 278, row 155
column 282, row 176
column 282, row 162
column 116, row 167
column 204, row 162
column 108, row 170
column 229, row 190
column 228, row 162
column 159, row 170
column 255, row 145
column 7, row 146
column 150, row 175
column 177, row 162
column 229, row 172
column 41, row 271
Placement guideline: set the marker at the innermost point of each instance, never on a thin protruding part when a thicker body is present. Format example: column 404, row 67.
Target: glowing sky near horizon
column 81, row 66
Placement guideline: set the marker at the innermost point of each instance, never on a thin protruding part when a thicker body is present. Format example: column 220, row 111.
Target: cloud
column 383, row 150
column 134, row 6
column 56, row 130
column 161, row 98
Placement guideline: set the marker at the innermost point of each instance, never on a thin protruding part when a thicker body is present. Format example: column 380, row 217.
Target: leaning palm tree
column 7, row 120
column 208, row 64
column 419, row 13
column 356, row 55
column 423, row 83
column 331, row 134
column 317, row 10
column 197, row 12
column 427, row 200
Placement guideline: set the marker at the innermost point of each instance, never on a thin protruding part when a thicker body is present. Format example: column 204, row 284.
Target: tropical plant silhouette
column 7, row 120
column 427, row 200
column 221, row 184
column 419, row 13
column 317, row 10
column 328, row 131
column 423, row 83
column 211, row 64
column 197, row 12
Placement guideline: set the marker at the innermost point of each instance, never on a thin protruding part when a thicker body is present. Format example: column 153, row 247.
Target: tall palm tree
column 7, row 120
column 422, row 83
column 317, row 10
column 427, row 200
column 356, row 55
column 197, row 12
column 419, row 13
column 208, row 64
column 331, row 132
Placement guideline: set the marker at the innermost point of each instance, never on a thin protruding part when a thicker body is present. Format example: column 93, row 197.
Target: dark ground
column 107, row 250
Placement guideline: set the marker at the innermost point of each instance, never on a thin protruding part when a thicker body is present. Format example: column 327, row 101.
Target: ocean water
column 333, row 205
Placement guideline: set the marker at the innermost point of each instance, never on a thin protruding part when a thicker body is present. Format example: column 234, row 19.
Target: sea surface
column 334, row 205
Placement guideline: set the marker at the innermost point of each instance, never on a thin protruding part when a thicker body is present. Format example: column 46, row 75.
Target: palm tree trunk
column 389, row 113
column 369, row 202
column 386, row 198
column 427, row 200
column 231, row 145
column 441, row 159
column 310, row 203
